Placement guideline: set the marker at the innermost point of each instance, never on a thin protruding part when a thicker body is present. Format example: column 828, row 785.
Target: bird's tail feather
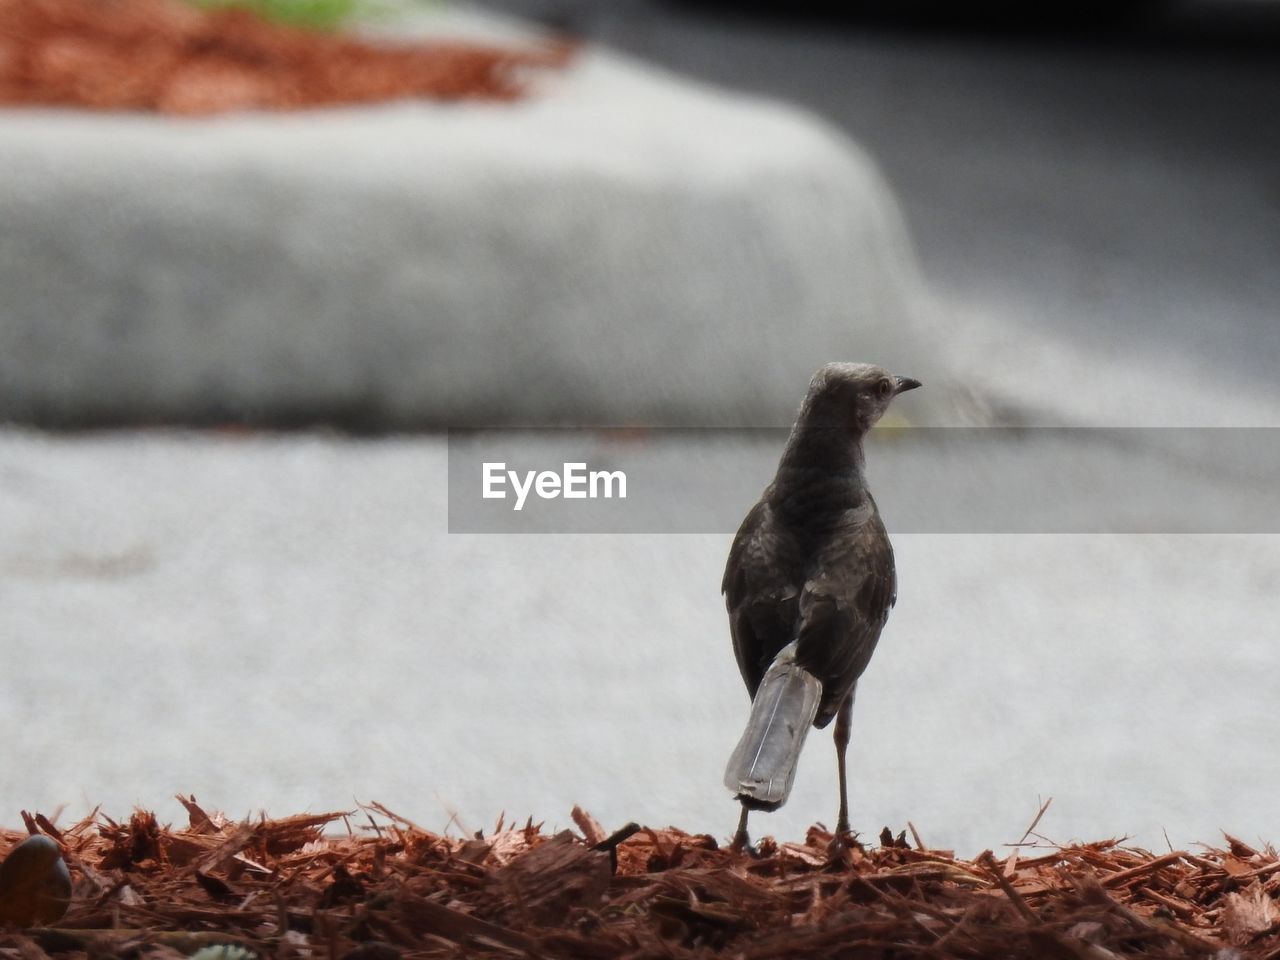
column 763, row 766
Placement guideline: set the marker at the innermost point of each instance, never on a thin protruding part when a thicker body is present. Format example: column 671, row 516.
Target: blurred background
column 253, row 277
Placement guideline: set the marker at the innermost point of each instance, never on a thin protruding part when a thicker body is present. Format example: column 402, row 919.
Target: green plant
column 315, row 14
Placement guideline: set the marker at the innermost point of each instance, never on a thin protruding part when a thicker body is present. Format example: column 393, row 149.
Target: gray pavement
column 1097, row 221
column 283, row 623
column 1096, row 227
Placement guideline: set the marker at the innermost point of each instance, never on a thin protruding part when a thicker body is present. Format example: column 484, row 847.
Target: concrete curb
column 623, row 247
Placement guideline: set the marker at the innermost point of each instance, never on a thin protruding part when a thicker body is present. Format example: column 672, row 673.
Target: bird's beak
column 907, row 383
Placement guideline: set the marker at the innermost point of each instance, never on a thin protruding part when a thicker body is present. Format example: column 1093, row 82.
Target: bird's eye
column 884, row 388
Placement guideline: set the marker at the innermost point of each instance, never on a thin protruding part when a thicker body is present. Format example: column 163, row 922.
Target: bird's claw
column 742, row 844
column 841, row 843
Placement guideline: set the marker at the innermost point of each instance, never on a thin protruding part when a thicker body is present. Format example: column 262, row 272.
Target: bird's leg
column 741, row 841
column 843, row 723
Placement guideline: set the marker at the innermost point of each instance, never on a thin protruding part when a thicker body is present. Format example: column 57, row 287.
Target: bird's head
column 853, row 395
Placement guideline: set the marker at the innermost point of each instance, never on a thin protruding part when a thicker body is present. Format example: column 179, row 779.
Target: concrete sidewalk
column 282, row 622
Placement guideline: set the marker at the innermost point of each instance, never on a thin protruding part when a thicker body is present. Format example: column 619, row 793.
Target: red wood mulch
column 169, row 56
column 373, row 886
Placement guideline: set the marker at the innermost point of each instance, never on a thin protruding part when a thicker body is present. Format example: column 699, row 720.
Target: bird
column 808, row 586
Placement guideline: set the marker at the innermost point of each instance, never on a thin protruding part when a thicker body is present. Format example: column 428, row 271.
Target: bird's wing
column 761, row 591
column 843, row 607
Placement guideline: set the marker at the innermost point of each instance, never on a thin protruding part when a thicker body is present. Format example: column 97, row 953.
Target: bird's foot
column 841, row 845
column 742, row 844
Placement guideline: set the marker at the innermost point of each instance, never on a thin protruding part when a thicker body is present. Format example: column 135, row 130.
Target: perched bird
column 809, row 584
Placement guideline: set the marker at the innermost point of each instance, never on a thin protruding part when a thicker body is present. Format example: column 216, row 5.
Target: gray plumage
column 809, row 584
column 763, row 766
